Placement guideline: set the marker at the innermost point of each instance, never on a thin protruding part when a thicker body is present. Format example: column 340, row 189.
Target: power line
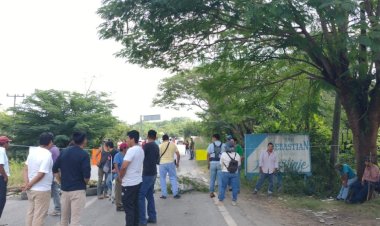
column 15, row 96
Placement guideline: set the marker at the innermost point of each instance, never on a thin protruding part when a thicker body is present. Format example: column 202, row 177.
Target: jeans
column 3, row 194
column 192, row 155
column 228, row 178
column 146, row 192
column 56, row 197
column 110, row 177
column 102, row 188
column 344, row 190
column 359, row 192
column 130, row 197
column 260, row 183
column 238, row 179
column 215, row 170
column 168, row 168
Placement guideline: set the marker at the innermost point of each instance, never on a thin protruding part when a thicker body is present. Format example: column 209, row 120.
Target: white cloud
column 49, row 44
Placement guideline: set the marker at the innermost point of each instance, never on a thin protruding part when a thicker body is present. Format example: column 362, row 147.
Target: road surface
column 193, row 209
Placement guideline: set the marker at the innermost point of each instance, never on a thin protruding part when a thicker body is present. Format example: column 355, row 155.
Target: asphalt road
column 193, row 209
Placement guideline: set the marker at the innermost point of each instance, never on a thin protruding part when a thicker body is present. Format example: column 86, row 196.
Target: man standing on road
column 167, row 166
column 230, row 162
column 152, row 156
column 268, row 165
column 192, row 151
column 73, row 169
column 119, row 158
column 4, row 171
column 239, row 150
column 102, row 177
column 38, row 178
column 214, row 151
column 110, row 166
column 131, row 175
column 55, row 186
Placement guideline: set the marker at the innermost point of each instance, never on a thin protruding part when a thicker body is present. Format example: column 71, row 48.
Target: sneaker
column 55, row 213
column 212, row 195
column 270, row 193
column 177, row 196
column 162, row 197
column 234, row 203
column 151, row 221
column 120, row 209
column 100, row 197
column 254, row 192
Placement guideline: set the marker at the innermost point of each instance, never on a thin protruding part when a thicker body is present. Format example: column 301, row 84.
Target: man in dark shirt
column 73, row 169
column 111, row 174
column 152, row 156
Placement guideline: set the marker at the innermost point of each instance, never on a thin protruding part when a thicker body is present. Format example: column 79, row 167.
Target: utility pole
column 15, row 96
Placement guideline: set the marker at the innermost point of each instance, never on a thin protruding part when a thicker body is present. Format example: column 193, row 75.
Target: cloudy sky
column 53, row 44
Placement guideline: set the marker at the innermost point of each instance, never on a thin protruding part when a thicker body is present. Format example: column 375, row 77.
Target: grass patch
column 16, row 169
column 368, row 209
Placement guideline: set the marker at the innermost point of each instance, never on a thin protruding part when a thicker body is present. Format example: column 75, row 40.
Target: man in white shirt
column 131, row 176
column 268, row 164
column 38, row 178
column 230, row 161
column 4, row 171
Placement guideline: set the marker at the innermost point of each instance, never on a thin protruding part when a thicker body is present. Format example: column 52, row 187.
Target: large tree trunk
column 364, row 124
column 335, row 137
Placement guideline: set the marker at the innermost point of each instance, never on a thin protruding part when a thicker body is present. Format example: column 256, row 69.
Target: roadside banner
column 292, row 150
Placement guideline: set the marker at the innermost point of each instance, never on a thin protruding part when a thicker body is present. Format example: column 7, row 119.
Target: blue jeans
column 260, row 183
column 228, row 178
column 215, row 170
column 110, row 177
column 146, row 192
column 343, row 193
column 165, row 169
column 238, row 179
column 56, row 197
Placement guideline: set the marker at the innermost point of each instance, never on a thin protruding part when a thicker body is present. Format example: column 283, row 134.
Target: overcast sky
column 53, row 44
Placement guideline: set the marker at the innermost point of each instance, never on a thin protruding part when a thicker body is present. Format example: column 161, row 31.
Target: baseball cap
column 123, row 145
column 4, row 139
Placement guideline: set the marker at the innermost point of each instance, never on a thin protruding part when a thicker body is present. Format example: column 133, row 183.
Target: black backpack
column 233, row 165
column 218, row 151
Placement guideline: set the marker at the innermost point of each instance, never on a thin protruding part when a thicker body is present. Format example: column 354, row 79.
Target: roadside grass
column 368, row 209
column 16, row 179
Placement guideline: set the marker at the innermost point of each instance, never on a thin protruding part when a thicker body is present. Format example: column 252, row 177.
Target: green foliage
column 337, row 42
column 62, row 113
column 176, row 127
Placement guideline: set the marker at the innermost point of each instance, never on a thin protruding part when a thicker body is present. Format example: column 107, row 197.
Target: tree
column 338, row 38
column 62, row 113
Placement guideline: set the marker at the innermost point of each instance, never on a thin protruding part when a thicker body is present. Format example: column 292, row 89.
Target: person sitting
column 348, row 177
column 371, row 176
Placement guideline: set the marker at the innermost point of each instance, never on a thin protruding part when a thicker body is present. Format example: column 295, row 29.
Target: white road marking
column 90, row 202
column 226, row 215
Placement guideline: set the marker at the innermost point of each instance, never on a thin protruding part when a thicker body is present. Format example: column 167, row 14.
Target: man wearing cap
column 118, row 161
column 4, row 171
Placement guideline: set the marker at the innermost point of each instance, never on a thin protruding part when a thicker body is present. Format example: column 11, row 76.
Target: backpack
column 233, row 165
column 217, row 151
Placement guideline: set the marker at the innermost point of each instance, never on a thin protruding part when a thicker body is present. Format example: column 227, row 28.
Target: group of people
column 133, row 168
column 225, row 163
column 190, row 148
column 357, row 191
